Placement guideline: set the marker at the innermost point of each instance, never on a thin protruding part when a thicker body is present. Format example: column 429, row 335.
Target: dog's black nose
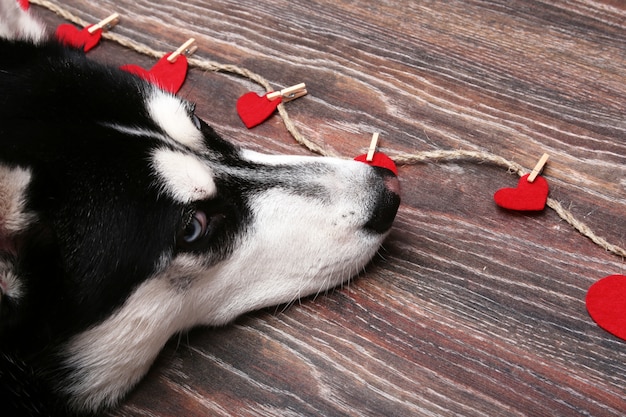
column 387, row 202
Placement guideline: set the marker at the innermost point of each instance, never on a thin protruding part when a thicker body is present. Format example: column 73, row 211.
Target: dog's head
column 124, row 219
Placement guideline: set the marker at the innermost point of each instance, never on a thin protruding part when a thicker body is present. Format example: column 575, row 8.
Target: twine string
column 398, row 158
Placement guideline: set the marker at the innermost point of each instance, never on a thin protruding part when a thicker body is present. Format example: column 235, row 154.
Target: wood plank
column 469, row 309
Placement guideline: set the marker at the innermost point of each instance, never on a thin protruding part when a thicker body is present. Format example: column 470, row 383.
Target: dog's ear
column 14, row 220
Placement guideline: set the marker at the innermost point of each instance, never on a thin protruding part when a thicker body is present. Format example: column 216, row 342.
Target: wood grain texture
column 469, row 310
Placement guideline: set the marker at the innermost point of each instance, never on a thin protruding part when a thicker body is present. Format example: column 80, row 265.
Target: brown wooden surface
column 470, row 310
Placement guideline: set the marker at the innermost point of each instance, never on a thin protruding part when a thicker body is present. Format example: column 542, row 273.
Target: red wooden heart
column 606, row 304
column 379, row 160
column 167, row 75
column 254, row 109
column 528, row 196
column 70, row 35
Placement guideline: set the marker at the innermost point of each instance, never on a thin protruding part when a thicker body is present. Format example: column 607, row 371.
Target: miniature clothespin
column 372, row 148
column 254, row 109
column 105, row 24
column 186, row 49
column 289, row 93
column 538, row 167
column 170, row 71
column 88, row 37
column 531, row 193
column 377, row 159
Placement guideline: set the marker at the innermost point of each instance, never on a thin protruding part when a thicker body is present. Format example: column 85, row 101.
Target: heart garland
column 88, row 37
column 612, row 311
column 168, row 73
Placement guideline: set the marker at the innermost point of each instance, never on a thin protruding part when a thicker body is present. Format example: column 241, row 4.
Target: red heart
column 70, row 35
column 528, row 196
column 379, row 160
column 167, row 75
column 606, row 304
column 254, row 109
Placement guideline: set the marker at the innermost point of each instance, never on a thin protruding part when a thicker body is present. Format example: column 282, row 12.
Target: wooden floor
column 470, row 310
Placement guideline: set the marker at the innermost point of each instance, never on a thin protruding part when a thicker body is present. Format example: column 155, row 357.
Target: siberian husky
column 125, row 219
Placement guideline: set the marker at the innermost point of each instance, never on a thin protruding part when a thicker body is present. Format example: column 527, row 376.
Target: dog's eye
column 197, row 227
column 196, row 122
column 200, row 229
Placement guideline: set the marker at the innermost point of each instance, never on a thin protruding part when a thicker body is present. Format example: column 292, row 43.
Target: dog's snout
column 386, row 204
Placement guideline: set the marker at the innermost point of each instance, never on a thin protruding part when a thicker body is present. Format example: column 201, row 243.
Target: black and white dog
column 124, row 219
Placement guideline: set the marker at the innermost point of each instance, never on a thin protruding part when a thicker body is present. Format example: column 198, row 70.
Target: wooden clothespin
column 538, row 168
column 105, row 24
column 372, row 149
column 377, row 159
column 289, row 93
column 186, row 49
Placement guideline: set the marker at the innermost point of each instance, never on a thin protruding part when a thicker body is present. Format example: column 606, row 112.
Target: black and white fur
column 124, row 219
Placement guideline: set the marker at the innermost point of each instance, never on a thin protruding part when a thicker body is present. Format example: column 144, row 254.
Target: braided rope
column 399, row 158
